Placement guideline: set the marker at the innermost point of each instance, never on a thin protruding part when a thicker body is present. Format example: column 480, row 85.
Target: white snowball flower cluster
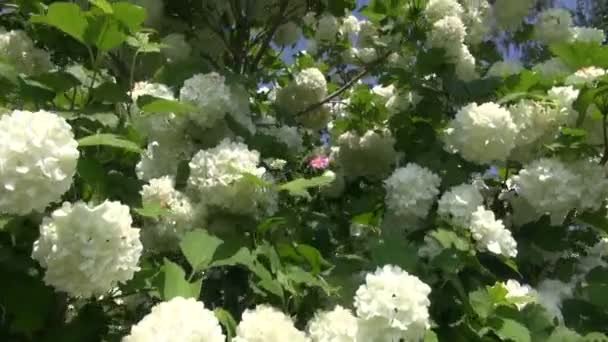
column 477, row 18
column 411, row 191
column 176, row 48
column 595, row 256
column 38, row 157
column 585, row 76
column 178, row 319
column 518, row 294
column 350, row 25
column 86, row 250
column 217, row 176
column 267, row 324
column 551, row 293
column 287, row 135
column 392, row 303
column 437, row 9
column 505, row 68
column 287, row 34
column 162, row 158
column 587, row 35
column 370, row 155
column 509, row 14
column 552, row 69
column 18, row 50
column 448, row 33
column 458, row 204
column 327, row 28
column 564, row 98
column 553, row 187
column 337, row 325
column 214, row 99
column 165, row 127
column 308, row 88
column 166, row 232
column 402, row 101
column 491, row 234
column 482, row 133
column 553, row 26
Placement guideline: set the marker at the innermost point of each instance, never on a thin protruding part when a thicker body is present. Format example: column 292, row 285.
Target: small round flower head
column 534, row 120
column 337, row 325
column 592, row 182
column 509, row 14
column 438, row 9
column 367, row 55
column 585, row 76
column 368, row 34
column 482, row 133
column 505, row 68
column 478, row 20
column 564, row 98
column 350, row 25
column 178, row 319
column 327, row 28
column 458, row 204
column 162, row 158
column 587, row 35
column 163, row 127
column 595, row 256
column 518, row 294
column 38, row 157
column 549, row 186
column 551, row 293
column 166, row 232
column 393, row 302
column 312, row 80
column 217, row 175
column 491, row 234
column 86, row 250
column 18, row 50
column 287, row 34
column 448, row 33
column 176, row 49
column 267, row 324
column 553, row 26
column 552, row 69
column 465, row 65
column 370, row 155
column 211, row 95
column 411, row 191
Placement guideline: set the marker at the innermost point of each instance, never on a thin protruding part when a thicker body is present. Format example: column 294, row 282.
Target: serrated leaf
column 578, row 55
column 59, row 81
column 563, row 334
column 151, row 104
column 153, row 210
column 227, row 321
column 66, row 17
column 130, row 15
column 103, row 5
column 112, row 140
column 510, row 330
column 175, row 284
column 110, row 92
column 300, row 186
column 198, row 247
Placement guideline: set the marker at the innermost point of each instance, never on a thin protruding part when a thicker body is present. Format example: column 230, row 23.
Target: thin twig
column 605, row 131
column 268, row 38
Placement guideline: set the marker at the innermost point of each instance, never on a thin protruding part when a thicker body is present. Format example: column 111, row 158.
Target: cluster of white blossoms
column 166, row 232
column 18, row 50
column 327, row 28
column 176, row 47
column 551, row 293
column 509, row 14
column 585, row 76
column 86, row 250
column 287, row 34
column 552, row 69
column 370, row 155
column 555, row 25
column 553, row 187
column 491, row 234
column 482, row 133
column 505, row 68
column 459, row 203
column 38, row 157
column 392, row 305
column 286, row 135
column 217, row 177
column 267, row 324
column 162, row 158
column 518, row 294
column 411, row 191
column 337, row 325
column 178, row 319
column 215, row 99
column 308, row 88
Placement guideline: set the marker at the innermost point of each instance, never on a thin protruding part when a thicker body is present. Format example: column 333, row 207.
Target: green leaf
column 563, row 334
column 130, row 15
column 430, row 336
column 9, row 73
column 300, row 186
column 112, row 140
column 111, row 93
column 151, row 104
column 227, row 321
column 153, row 210
column 299, row 276
column 104, row 32
column 175, row 283
column 579, row 55
column 510, row 330
column 17, row 298
column 66, row 17
column 59, row 81
column 103, row 5
column 199, row 247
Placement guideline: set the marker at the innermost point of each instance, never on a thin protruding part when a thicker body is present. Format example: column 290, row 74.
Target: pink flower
column 319, row 162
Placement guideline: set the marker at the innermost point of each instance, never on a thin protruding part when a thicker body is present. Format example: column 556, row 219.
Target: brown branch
column 271, row 32
column 604, row 129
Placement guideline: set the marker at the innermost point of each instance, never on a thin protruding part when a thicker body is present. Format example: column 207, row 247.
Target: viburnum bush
column 301, row 170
